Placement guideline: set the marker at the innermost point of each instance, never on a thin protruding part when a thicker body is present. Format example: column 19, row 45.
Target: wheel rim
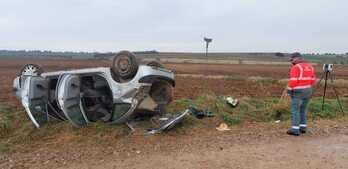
column 30, row 70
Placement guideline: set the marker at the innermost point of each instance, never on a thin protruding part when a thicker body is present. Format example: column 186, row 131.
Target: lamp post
column 207, row 41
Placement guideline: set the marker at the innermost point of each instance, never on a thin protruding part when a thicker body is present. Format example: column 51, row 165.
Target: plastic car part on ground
column 231, row 101
column 223, row 127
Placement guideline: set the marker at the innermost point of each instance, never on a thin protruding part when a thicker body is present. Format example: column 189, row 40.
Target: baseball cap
column 295, row 55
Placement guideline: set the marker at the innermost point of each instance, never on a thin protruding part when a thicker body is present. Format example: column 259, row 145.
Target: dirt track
column 258, row 145
column 286, row 153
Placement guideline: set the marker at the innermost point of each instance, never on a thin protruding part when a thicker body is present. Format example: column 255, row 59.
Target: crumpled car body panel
column 86, row 95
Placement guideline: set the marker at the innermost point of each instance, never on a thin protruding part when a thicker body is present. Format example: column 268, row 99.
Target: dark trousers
column 299, row 103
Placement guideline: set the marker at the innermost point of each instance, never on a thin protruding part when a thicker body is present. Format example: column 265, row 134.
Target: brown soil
column 255, row 145
column 274, row 71
column 186, row 87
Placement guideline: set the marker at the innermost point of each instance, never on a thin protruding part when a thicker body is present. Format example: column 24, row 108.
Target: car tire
column 124, row 65
column 161, row 92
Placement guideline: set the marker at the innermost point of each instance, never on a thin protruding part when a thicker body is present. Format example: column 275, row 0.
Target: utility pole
column 205, row 81
column 207, row 41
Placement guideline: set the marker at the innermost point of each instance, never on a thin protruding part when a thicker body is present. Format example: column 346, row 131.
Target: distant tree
column 278, row 54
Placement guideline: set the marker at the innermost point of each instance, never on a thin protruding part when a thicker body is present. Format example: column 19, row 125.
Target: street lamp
column 207, row 41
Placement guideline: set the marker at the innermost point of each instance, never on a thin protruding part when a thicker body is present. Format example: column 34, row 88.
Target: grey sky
column 235, row 25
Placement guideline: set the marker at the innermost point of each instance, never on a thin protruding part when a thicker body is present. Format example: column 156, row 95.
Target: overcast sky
column 176, row 25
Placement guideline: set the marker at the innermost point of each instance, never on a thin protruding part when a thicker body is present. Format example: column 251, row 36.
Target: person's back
column 302, row 78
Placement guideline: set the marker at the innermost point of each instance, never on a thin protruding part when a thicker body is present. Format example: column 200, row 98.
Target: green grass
column 259, row 110
column 17, row 132
column 8, row 118
column 230, row 119
column 264, row 80
column 331, row 108
column 236, row 77
column 4, row 148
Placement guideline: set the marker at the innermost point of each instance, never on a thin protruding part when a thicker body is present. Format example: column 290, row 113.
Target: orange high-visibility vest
column 302, row 76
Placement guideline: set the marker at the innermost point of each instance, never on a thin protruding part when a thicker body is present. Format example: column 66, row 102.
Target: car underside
column 112, row 94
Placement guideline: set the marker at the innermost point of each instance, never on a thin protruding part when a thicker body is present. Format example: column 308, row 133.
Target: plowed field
column 192, row 80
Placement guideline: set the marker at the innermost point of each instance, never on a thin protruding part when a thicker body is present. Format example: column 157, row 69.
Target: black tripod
column 327, row 73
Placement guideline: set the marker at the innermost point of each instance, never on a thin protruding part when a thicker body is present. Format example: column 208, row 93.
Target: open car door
column 69, row 99
column 34, row 99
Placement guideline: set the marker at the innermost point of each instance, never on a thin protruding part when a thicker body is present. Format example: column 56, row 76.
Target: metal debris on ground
column 169, row 123
column 130, row 126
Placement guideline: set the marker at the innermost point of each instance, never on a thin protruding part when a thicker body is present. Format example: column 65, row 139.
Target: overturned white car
column 109, row 94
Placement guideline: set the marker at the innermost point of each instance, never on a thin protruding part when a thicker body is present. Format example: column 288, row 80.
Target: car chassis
column 107, row 94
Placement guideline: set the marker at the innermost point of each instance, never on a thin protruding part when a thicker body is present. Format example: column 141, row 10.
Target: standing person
column 302, row 79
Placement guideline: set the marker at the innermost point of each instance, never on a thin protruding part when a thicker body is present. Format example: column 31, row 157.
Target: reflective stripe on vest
column 303, row 78
column 301, row 71
column 300, row 87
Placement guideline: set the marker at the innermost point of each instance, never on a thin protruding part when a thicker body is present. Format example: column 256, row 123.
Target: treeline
column 44, row 54
column 328, row 58
column 316, row 57
column 67, row 55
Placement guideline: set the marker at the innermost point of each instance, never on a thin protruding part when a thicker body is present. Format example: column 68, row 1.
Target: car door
column 34, row 98
column 70, row 101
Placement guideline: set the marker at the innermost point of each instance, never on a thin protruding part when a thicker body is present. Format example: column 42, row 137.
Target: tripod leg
column 325, row 86
column 321, row 78
column 337, row 97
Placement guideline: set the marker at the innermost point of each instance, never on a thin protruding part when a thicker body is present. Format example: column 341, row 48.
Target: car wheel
column 162, row 92
column 124, row 65
column 31, row 70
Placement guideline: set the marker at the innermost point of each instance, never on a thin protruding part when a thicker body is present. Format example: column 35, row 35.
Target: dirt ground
column 249, row 145
column 309, row 153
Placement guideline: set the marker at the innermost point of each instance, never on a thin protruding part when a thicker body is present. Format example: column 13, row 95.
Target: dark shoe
column 292, row 132
column 303, row 130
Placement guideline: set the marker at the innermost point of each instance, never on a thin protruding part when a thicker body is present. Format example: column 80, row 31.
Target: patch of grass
column 4, row 125
column 261, row 110
column 12, row 120
column 100, row 132
column 230, row 119
column 269, row 81
column 235, row 78
column 5, row 120
column 264, row 80
column 225, row 112
column 179, row 105
column 18, row 133
column 331, row 108
column 336, row 82
column 4, row 148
